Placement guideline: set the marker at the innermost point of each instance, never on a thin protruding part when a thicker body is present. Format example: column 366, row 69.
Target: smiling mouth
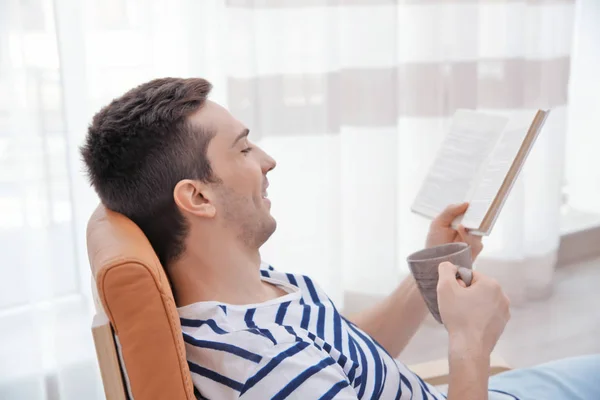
column 265, row 195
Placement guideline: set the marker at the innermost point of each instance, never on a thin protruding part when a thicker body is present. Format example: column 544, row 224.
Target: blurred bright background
column 351, row 97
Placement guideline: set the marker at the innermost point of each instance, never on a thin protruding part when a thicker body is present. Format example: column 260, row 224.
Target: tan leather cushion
column 138, row 301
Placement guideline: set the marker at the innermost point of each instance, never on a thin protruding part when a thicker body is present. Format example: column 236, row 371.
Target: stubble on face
column 254, row 225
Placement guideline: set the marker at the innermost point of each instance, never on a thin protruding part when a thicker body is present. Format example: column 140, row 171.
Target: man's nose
column 269, row 163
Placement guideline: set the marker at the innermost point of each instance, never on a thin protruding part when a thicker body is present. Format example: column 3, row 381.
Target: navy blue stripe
column 321, row 322
column 292, row 279
column 268, row 335
column 248, row 318
column 262, row 333
column 337, row 329
column 352, row 372
column 196, row 323
column 314, row 338
column 298, row 339
column 508, row 394
column 270, row 268
column 423, row 385
column 335, row 389
column 358, row 382
column 352, row 348
column 399, row 391
column 265, row 273
column 301, row 378
column 376, row 357
column 311, row 290
column 321, row 314
column 407, row 383
column 281, row 312
column 275, row 361
column 384, row 380
column 365, row 369
column 305, row 316
column 198, row 394
column 224, row 308
column 212, row 375
column 423, row 392
column 306, row 308
column 353, row 357
column 228, row 348
column 292, row 332
column 318, row 342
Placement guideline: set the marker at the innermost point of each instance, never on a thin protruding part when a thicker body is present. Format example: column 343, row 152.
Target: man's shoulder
column 310, row 289
column 257, row 337
column 296, row 279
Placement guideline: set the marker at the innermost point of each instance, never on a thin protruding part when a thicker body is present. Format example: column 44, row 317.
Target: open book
column 478, row 163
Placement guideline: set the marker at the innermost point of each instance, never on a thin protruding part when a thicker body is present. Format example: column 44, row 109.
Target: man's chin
column 272, row 225
column 269, row 227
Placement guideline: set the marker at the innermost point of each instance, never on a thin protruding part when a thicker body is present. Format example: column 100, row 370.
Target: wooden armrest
column 108, row 359
column 437, row 372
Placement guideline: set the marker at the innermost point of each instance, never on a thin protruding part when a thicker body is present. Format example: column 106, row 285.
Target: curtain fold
column 352, row 98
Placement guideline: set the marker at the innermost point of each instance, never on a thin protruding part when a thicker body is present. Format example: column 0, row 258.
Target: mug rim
column 460, row 246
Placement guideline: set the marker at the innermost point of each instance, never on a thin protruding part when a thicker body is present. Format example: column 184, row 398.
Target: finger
column 451, row 212
column 447, row 272
column 461, row 283
column 473, row 240
column 462, row 231
column 466, row 275
column 477, row 276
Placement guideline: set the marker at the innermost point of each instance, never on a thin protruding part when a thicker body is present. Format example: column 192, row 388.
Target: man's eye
column 247, row 150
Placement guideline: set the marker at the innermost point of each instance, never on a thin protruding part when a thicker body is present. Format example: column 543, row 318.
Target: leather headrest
column 136, row 296
column 113, row 238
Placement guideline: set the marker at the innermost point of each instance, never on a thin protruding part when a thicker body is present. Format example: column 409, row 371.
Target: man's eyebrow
column 242, row 135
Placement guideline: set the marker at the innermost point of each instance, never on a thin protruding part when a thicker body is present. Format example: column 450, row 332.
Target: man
column 183, row 169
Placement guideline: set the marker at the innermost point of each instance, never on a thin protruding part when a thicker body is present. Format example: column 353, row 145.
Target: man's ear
column 195, row 198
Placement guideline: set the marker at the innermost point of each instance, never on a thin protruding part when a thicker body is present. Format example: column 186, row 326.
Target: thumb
column 450, row 213
column 447, row 272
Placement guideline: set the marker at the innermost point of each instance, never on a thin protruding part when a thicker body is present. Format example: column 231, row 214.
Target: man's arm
column 396, row 319
column 469, row 373
column 474, row 317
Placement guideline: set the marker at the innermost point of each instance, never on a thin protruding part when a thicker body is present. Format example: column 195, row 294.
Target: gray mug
column 424, row 266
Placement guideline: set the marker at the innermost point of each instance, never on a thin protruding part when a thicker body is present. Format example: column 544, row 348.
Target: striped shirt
column 297, row 346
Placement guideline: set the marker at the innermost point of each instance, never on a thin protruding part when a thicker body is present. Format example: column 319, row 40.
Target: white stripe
column 305, row 40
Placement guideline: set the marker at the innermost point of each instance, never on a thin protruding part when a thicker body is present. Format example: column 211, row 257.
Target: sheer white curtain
column 354, row 100
column 351, row 97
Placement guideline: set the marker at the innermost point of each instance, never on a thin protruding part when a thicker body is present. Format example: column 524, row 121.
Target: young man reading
column 184, row 169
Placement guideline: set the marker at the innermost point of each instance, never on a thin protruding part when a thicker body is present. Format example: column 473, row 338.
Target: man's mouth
column 265, row 195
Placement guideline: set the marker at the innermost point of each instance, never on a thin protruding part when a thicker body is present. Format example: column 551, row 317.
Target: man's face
column 240, row 197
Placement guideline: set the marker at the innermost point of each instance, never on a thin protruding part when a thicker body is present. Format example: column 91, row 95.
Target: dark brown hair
column 137, row 149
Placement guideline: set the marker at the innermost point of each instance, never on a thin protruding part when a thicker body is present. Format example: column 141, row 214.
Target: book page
column 454, row 173
column 496, row 169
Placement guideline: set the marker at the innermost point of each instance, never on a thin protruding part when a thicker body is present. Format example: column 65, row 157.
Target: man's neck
column 216, row 269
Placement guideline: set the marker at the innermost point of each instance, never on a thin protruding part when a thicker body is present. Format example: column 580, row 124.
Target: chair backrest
column 138, row 301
